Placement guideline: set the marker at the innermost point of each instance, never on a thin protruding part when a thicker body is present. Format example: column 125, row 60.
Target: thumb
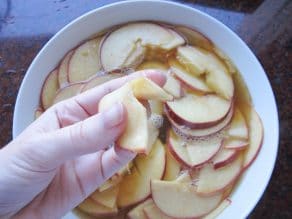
column 93, row 134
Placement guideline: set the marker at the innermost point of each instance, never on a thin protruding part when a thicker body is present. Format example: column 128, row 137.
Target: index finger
column 89, row 99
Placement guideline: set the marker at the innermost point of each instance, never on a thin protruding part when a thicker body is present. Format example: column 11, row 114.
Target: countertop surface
column 265, row 25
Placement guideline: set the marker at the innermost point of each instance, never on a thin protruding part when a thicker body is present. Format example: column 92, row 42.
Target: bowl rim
column 260, row 192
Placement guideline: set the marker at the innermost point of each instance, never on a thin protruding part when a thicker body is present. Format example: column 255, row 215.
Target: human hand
column 63, row 156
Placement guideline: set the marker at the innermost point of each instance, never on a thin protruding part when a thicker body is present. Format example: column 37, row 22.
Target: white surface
column 254, row 182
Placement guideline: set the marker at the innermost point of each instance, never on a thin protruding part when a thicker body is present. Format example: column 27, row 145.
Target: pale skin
column 63, row 156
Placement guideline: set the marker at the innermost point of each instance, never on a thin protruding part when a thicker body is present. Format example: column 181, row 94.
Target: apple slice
column 194, row 153
column 135, row 136
column 211, row 181
column 68, row 92
column 152, row 65
column 98, row 80
column 224, row 157
column 186, row 131
column 135, row 187
column 153, row 212
column 63, row 70
column 227, row 61
column 256, row 135
column 84, row 62
column 156, row 107
column 198, row 112
column 110, row 183
column 215, row 213
column 146, row 89
column 173, row 86
column 238, row 127
column 199, row 62
column 234, row 143
column 195, row 38
column 107, row 198
column 49, row 89
column 188, row 79
column 172, row 168
column 38, row 112
column 125, row 46
column 94, row 209
column 137, row 212
column 180, row 200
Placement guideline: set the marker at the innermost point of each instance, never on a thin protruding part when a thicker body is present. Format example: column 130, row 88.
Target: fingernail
column 114, row 116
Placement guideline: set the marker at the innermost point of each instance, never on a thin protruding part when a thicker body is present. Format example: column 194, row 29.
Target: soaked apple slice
column 180, row 200
column 188, row 132
column 188, row 79
column 238, row 127
column 125, row 46
column 68, row 92
column 63, row 70
column 107, row 198
column 94, row 209
column 194, row 153
column 234, row 143
column 137, row 212
column 172, row 168
column 256, row 135
column 49, row 89
column 199, row 62
column 98, row 80
column 224, row 157
column 195, row 38
column 152, row 65
column 215, row 213
column 211, row 180
column 153, row 212
column 85, row 61
column 197, row 111
column 135, row 187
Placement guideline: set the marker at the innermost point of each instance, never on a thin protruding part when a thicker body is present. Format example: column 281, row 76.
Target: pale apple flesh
column 84, row 61
column 49, row 89
column 137, row 212
column 193, row 153
column 224, row 157
column 94, row 209
column 68, row 92
column 215, row 213
column 135, row 187
column 188, row 132
column 238, row 127
column 129, row 42
column 180, row 200
column 153, row 212
column 198, row 111
column 172, row 167
column 63, row 70
column 107, row 197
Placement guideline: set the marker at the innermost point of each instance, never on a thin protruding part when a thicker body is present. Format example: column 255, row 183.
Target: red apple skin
column 181, row 161
column 181, row 121
column 241, row 147
column 177, row 126
column 227, row 161
column 258, row 150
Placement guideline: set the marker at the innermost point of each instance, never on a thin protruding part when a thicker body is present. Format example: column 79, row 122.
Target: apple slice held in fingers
column 98, row 80
column 49, row 89
column 125, row 46
column 135, row 187
column 198, row 111
column 85, row 61
column 63, row 70
column 256, row 135
column 94, row 209
column 180, row 200
column 68, row 92
column 193, row 153
column 187, row 132
column 201, row 62
column 212, row 181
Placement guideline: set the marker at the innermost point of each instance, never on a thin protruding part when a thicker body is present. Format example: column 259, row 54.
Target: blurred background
column 265, row 25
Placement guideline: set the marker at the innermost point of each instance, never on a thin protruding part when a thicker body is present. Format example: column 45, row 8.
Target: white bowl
column 256, row 178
